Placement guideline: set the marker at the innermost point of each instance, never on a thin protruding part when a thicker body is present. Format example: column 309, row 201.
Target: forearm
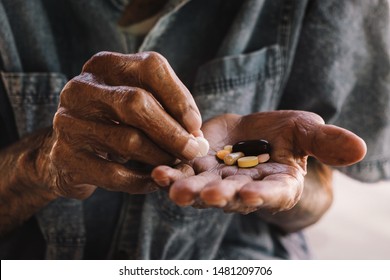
column 316, row 199
column 22, row 188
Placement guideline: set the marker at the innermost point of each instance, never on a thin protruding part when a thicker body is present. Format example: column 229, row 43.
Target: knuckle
column 153, row 57
column 58, row 121
column 135, row 140
column 315, row 117
column 152, row 60
column 99, row 60
column 71, row 90
column 138, row 100
column 83, row 93
column 57, row 153
column 182, row 108
column 61, row 122
column 66, row 92
column 308, row 117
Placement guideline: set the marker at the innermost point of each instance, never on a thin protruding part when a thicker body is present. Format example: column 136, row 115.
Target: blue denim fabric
column 330, row 57
column 34, row 98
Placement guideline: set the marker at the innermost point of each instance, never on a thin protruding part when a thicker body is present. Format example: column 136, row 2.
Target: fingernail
column 159, row 178
column 219, row 203
column 191, row 149
column 256, row 202
column 162, row 182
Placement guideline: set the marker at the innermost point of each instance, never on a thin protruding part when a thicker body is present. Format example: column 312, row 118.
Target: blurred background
column 357, row 226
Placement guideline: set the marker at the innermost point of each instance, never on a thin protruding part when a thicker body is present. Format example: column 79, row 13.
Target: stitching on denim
column 221, row 84
column 283, row 38
column 31, row 90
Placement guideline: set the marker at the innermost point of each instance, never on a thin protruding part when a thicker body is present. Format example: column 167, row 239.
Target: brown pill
column 263, row 158
column 252, row 147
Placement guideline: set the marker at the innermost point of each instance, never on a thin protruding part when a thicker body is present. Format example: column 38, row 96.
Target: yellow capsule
column 248, row 161
column 232, row 158
column 228, row 148
column 263, row 158
column 222, row 153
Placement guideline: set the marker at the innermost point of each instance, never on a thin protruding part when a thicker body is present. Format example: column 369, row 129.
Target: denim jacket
column 329, row 57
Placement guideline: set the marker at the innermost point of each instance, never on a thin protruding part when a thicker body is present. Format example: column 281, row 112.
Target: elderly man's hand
column 121, row 108
column 276, row 185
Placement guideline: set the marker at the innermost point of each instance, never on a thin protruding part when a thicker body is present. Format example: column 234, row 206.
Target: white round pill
column 203, row 146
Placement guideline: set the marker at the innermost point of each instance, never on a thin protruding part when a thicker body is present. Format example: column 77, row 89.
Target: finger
column 164, row 175
column 151, row 71
column 185, row 191
column 310, row 136
column 131, row 106
column 82, row 191
column 331, row 145
column 75, row 167
column 221, row 192
column 122, row 142
column 276, row 192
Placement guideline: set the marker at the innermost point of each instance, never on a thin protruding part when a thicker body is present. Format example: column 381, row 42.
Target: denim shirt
column 329, row 57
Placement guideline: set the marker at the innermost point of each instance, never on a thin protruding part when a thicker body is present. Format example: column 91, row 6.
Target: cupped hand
column 275, row 185
column 120, row 109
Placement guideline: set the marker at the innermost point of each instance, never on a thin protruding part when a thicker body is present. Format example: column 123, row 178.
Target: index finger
column 130, row 106
column 151, row 71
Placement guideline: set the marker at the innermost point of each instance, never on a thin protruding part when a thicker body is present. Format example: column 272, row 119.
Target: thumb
column 332, row 145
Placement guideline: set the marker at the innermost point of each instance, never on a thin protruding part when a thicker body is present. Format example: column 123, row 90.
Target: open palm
column 276, row 185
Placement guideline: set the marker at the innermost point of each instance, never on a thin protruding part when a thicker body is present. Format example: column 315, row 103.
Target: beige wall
column 358, row 224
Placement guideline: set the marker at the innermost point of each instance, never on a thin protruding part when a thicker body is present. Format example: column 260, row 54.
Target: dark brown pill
column 252, row 147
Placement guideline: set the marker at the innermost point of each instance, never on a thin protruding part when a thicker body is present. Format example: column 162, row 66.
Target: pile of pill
column 245, row 153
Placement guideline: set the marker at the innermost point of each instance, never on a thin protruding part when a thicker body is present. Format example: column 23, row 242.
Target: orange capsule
column 222, row 153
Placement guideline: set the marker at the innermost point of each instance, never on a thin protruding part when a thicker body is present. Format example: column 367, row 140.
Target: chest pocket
column 34, row 98
column 239, row 84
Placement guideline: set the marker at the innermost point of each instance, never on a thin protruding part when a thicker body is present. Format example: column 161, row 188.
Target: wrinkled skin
column 121, row 108
column 276, row 185
column 133, row 108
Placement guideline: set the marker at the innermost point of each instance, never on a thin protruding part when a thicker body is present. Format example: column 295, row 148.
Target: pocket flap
column 34, row 98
